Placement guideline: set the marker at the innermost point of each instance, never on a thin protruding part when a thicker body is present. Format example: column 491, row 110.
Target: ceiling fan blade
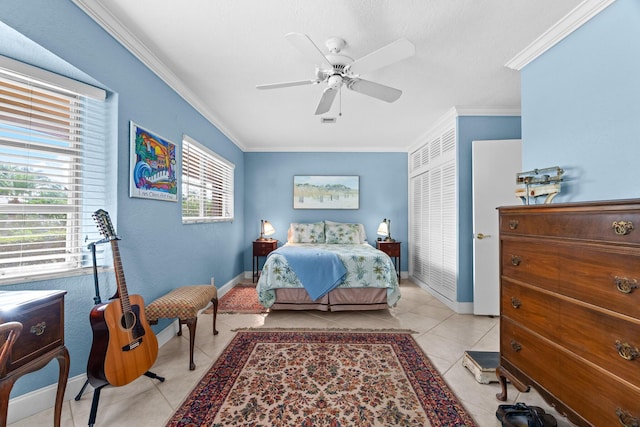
column 307, row 47
column 287, row 84
column 386, row 55
column 328, row 96
column 376, row 90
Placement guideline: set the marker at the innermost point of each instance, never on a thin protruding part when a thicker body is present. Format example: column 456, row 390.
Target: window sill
column 17, row 280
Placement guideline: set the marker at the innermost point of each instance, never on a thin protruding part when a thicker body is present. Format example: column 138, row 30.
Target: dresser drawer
column 42, row 331
column 591, row 391
column 540, row 311
column 597, row 274
column 576, row 225
column 530, row 261
column 606, row 339
column 532, row 355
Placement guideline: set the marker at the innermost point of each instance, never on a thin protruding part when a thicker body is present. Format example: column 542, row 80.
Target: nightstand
column 261, row 248
column 393, row 250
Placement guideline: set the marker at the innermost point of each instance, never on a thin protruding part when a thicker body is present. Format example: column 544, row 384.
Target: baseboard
column 39, row 400
column 458, row 307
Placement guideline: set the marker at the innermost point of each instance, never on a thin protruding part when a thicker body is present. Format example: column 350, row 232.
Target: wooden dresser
column 42, row 340
column 570, row 307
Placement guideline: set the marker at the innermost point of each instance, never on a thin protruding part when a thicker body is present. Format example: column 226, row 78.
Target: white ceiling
column 214, row 53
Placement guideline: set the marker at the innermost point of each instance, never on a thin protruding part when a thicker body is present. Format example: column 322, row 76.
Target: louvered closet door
column 417, row 243
column 434, row 214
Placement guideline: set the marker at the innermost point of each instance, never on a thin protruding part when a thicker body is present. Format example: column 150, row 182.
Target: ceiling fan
column 336, row 69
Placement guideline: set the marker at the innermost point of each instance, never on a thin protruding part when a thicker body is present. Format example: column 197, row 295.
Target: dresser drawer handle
column 515, row 302
column 626, row 419
column 622, row 227
column 515, row 260
column 624, row 285
column 626, row 351
column 516, row 346
column 513, row 224
column 38, row 329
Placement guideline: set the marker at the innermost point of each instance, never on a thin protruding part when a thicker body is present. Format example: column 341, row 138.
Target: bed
column 328, row 266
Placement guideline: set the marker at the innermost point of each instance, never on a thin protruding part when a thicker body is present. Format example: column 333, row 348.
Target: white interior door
column 495, row 165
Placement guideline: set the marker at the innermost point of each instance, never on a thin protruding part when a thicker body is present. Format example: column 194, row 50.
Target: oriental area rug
column 321, row 378
column 242, row 298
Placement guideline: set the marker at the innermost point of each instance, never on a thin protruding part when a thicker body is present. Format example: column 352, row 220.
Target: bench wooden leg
column 214, row 301
column 191, row 324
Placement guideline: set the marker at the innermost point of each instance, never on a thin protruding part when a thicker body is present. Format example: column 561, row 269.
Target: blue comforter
column 319, row 271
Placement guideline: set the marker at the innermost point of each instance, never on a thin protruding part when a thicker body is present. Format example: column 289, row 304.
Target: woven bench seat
column 184, row 303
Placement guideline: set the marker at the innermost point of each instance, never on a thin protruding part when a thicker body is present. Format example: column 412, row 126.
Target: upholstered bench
column 184, row 303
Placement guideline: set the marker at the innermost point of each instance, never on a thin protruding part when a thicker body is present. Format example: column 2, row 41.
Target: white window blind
column 207, row 184
column 52, row 172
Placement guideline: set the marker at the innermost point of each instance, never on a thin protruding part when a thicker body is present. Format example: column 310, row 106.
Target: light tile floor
column 443, row 335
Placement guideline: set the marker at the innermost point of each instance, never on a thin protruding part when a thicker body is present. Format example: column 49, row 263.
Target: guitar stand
column 98, row 300
column 96, row 396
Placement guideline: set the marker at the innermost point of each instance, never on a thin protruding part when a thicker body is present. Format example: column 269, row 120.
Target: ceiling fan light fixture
column 335, row 81
column 327, row 120
column 337, row 70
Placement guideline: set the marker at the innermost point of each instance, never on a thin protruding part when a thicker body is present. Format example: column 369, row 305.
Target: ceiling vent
column 327, row 119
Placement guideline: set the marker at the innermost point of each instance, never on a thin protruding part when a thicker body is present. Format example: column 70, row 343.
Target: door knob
column 482, row 236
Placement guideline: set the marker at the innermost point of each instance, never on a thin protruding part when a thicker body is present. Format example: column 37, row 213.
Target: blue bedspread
column 319, row 271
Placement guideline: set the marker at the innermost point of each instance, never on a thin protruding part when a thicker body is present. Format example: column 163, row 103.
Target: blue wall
column 474, row 128
column 158, row 252
column 581, row 107
column 269, row 195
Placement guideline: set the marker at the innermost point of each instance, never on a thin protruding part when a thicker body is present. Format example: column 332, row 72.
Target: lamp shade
column 266, row 229
column 383, row 228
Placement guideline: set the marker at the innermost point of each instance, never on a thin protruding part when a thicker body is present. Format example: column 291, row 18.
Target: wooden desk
column 42, row 340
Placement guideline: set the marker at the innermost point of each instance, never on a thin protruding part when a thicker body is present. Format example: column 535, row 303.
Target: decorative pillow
column 342, row 233
column 307, row 233
column 361, row 232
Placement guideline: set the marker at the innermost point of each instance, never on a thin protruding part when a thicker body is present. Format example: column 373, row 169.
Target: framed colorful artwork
column 153, row 166
column 326, row 192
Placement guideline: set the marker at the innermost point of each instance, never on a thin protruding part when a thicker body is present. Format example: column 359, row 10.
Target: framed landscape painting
column 326, row 192
column 153, row 166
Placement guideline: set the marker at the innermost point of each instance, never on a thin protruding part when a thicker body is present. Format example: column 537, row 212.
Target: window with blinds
column 207, row 184
column 52, row 173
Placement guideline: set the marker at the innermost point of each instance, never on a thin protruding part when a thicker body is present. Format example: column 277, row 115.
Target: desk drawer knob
column 622, row 228
column 38, row 329
column 513, row 224
column 624, row 285
column 515, row 302
column 627, row 351
column 626, row 419
column 515, row 260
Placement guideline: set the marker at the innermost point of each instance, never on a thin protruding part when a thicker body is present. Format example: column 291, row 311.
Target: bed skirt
column 339, row 299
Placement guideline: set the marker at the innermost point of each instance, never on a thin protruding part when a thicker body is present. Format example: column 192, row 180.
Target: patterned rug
column 321, row 378
column 242, row 298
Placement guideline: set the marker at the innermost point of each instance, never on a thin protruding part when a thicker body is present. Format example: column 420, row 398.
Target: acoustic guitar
column 124, row 346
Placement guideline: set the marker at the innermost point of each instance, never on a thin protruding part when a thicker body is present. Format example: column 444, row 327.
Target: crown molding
column 486, row 111
column 112, row 25
column 448, row 118
column 567, row 25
